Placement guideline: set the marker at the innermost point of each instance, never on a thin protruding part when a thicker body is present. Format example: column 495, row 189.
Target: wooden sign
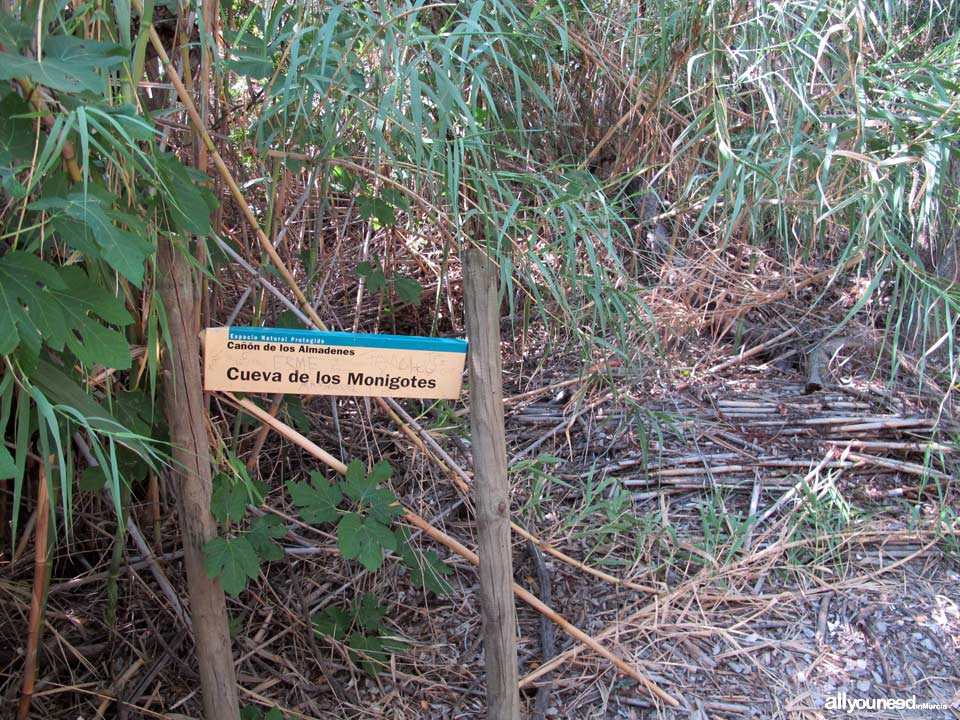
column 312, row 362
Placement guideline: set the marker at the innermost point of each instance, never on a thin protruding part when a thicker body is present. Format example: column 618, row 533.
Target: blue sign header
column 345, row 339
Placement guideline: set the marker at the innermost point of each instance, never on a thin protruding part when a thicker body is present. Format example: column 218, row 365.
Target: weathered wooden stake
column 492, row 491
column 190, row 470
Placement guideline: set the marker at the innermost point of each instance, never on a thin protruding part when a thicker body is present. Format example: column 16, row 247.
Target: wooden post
column 186, row 417
column 482, row 310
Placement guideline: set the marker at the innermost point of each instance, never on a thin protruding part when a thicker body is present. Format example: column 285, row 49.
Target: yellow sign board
column 312, row 362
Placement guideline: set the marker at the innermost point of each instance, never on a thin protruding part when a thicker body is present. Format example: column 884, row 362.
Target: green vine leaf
column 252, row 712
column 25, row 312
column 233, row 560
column 318, row 501
column 373, row 274
column 362, row 627
column 263, row 531
column 364, row 539
column 229, row 499
column 373, row 651
column 376, row 209
column 365, row 490
column 368, row 612
column 427, row 570
column 408, row 290
column 369, row 650
column 333, row 622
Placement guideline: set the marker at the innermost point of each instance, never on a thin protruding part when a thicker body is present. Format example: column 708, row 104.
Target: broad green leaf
column 61, row 308
column 369, row 613
column 228, row 500
column 366, row 492
column 376, row 209
column 348, row 535
column 318, row 501
column 54, row 74
column 80, row 52
column 16, row 129
column 333, row 622
column 10, row 184
column 374, row 276
column 8, row 468
column 250, row 712
column 91, row 341
column 130, row 468
column 371, row 554
column 263, row 531
column 408, row 290
column 370, row 650
column 395, row 197
column 427, row 571
column 64, row 390
column 14, row 35
column 356, row 472
column 136, row 411
column 251, row 65
column 384, row 505
column 26, row 311
column 364, row 539
column 124, row 250
column 92, row 479
column 70, row 64
column 187, row 204
column 293, row 407
column 343, row 180
column 233, row 560
column 380, row 472
column 360, row 490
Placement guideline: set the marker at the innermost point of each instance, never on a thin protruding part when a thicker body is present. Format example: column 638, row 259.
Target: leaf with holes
column 26, row 311
column 62, row 307
column 71, row 64
column 91, row 341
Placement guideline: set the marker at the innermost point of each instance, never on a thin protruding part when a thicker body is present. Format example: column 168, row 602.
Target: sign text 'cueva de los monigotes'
column 314, row 362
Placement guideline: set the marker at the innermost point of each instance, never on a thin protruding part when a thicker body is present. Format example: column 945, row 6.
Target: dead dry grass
column 772, row 546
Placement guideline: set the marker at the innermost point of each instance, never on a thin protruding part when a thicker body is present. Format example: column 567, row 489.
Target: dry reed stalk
column 38, row 598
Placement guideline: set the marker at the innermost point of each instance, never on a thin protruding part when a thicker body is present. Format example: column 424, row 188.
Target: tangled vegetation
column 662, row 185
